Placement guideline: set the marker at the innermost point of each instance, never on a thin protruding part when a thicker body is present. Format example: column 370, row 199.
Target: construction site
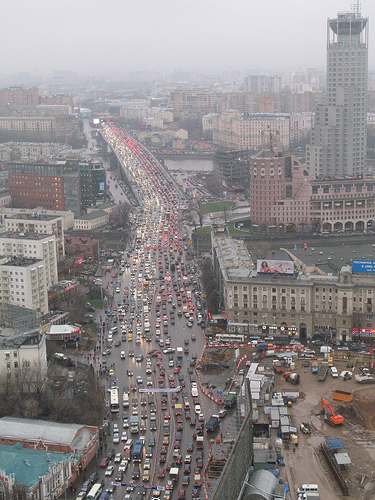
column 335, row 418
column 313, row 418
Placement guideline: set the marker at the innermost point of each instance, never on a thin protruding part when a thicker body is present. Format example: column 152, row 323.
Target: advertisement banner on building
column 363, row 266
column 275, row 266
column 101, row 186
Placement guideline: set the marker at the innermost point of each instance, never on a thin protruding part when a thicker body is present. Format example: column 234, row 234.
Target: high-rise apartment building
column 338, row 141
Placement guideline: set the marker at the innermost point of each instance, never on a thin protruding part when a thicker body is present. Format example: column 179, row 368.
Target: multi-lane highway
column 156, row 316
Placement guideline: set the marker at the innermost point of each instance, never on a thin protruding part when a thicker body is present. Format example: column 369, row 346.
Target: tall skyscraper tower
column 338, row 139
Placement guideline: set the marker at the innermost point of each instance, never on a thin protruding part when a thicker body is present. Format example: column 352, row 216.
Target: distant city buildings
column 191, row 103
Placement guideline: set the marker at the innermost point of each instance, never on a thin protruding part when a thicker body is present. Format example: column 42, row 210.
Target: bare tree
column 120, row 216
column 194, row 212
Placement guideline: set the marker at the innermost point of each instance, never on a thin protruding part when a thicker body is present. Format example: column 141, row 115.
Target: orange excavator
column 333, row 418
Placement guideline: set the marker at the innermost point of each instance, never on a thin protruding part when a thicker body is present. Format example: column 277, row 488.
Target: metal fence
column 240, row 458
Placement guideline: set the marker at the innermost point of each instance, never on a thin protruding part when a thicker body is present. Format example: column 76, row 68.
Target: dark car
column 94, row 477
column 86, row 486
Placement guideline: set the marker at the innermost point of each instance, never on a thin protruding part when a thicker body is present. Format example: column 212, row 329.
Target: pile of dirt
column 362, row 410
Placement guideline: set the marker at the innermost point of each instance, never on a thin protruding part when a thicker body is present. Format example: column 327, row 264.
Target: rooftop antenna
column 356, row 8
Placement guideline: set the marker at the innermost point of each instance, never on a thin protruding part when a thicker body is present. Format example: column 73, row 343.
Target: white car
column 118, row 457
column 116, row 438
column 110, row 470
column 149, row 381
column 123, row 466
column 124, row 436
column 334, row 372
column 197, row 409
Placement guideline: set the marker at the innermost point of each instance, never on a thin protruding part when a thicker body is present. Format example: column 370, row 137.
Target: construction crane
column 333, row 418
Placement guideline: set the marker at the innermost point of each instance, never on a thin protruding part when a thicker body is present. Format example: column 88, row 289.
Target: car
column 187, row 459
column 147, row 464
column 139, row 380
column 139, row 358
column 136, row 473
column 186, row 481
column 334, row 372
column 119, row 475
column 94, row 477
column 118, row 457
column 151, row 442
column 110, row 470
column 110, row 489
column 170, row 485
column 161, row 474
column 181, row 495
column 123, row 466
column 124, row 436
column 104, row 462
column 116, row 438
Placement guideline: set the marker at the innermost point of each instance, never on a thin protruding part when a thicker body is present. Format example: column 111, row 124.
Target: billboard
column 275, row 266
column 363, row 266
column 96, row 121
column 101, row 186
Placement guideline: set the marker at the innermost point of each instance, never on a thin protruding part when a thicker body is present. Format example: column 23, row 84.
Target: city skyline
column 92, row 37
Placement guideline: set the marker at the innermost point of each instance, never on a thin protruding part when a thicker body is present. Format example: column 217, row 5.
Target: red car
column 161, row 474
column 104, row 462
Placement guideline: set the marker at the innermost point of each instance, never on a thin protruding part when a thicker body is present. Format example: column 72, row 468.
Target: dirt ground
column 305, row 464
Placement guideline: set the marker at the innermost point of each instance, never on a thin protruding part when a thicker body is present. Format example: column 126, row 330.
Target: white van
column 125, row 400
column 308, row 488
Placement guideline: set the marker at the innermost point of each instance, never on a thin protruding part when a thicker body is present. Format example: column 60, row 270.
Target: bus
column 95, row 492
column 114, row 405
column 229, row 338
column 137, row 454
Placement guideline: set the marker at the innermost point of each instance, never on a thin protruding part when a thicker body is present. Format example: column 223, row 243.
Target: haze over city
column 118, row 36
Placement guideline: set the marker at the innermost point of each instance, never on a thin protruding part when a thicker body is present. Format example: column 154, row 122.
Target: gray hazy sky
column 91, row 36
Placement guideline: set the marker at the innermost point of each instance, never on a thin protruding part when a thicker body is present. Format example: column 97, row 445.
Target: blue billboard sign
column 364, row 266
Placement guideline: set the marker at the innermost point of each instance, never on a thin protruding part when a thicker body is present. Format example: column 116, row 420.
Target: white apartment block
column 29, row 124
column 12, row 150
column 26, row 352
column 239, row 131
column 93, row 220
column 23, row 283
column 38, row 223
column 32, row 246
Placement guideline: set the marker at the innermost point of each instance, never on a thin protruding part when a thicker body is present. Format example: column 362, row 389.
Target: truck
column 199, row 442
column 212, row 423
column 134, row 424
column 278, row 367
column 197, row 481
column 322, row 373
column 292, row 377
column 314, row 367
column 180, row 352
column 230, row 400
column 173, row 473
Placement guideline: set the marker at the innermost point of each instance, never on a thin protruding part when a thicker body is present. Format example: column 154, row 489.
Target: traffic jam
column 156, row 444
